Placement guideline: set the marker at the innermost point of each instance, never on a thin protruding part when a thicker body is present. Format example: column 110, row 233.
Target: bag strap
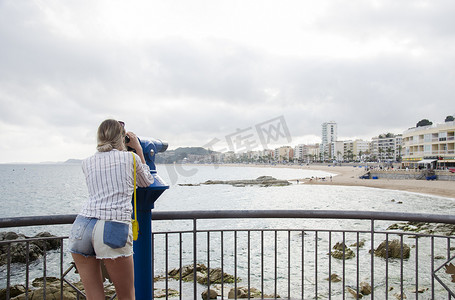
column 134, row 222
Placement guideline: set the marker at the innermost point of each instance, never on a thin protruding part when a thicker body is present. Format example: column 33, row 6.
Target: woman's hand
column 134, row 143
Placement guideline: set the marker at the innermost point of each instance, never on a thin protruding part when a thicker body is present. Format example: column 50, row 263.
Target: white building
column 339, row 150
column 387, row 147
column 329, row 136
column 432, row 145
column 361, row 149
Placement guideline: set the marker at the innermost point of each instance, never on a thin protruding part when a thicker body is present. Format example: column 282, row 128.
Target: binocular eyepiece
column 150, row 147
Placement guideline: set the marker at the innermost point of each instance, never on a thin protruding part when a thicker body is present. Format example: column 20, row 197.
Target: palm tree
column 400, row 148
column 338, row 155
column 350, row 155
column 380, row 152
column 389, row 152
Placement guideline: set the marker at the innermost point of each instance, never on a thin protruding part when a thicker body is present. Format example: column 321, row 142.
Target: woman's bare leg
column 121, row 272
column 90, row 272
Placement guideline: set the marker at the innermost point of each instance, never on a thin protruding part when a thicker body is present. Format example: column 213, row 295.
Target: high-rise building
column 329, row 137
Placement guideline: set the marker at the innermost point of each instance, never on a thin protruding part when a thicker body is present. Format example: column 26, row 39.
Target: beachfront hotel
column 431, row 146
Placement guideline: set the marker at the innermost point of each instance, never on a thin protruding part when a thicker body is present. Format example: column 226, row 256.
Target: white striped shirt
column 109, row 177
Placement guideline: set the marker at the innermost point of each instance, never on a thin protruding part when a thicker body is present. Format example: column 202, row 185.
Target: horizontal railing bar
column 311, row 214
column 412, row 234
column 36, row 220
column 34, row 239
column 246, row 214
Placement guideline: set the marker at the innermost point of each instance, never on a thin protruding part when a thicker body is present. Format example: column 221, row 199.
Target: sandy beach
column 349, row 176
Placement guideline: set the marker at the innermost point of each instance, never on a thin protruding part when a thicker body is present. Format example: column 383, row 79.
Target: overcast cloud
column 191, row 71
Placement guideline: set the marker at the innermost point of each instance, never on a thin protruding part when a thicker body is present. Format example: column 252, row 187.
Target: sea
column 52, row 189
column 56, row 189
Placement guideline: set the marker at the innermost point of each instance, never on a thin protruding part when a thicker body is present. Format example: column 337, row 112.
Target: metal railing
column 286, row 253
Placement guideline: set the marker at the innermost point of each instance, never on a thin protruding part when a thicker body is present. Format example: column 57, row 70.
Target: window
column 443, row 136
column 427, row 149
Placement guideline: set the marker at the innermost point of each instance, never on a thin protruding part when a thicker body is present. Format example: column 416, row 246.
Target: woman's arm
column 134, row 143
column 144, row 177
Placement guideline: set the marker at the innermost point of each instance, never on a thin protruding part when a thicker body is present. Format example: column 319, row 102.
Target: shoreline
column 349, row 176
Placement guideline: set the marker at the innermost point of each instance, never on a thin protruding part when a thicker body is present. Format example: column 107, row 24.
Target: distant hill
column 167, row 157
column 73, row 161
column 179, row 154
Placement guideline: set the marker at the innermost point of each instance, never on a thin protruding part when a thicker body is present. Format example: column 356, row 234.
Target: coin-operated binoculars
column 145, row 200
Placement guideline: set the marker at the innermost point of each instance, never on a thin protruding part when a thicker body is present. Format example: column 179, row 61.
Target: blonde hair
column 111, row 135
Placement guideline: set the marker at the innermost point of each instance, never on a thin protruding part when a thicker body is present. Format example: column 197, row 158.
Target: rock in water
column 394, row 249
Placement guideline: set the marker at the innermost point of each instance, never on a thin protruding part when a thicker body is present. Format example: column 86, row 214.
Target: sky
column 195, row 72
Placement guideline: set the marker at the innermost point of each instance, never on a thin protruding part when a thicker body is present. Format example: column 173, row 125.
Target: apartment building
column 338, row 150
column 429, row 146
column 351, row 150
column 361, row 149
column 314, row 152
column 285, row 153
column 387, row 147
column 306, row 153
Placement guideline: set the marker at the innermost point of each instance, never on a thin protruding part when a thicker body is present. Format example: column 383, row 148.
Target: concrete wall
column 401, row 174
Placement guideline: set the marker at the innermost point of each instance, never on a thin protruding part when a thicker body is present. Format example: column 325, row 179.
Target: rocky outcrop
column 263, row 181
column 202, row 275
column 364, row 290
column 242, row 293
column 215, row 278
column 394, row 249
column 334, row 278
column 209, row 294
column 14, row 291
column 52, row 291
column 339, row 254
column 18, row 251
column 425, row 228
column 37, row 291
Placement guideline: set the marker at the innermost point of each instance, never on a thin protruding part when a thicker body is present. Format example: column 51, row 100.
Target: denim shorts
column 101, row 238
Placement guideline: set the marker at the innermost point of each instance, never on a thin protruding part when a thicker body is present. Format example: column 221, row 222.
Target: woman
column 102, row 230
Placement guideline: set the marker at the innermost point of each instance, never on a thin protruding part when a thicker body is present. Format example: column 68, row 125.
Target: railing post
column 372, row 259
column 8, row 271
column 432, row 267
column 316, row 265
column 194, row 258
